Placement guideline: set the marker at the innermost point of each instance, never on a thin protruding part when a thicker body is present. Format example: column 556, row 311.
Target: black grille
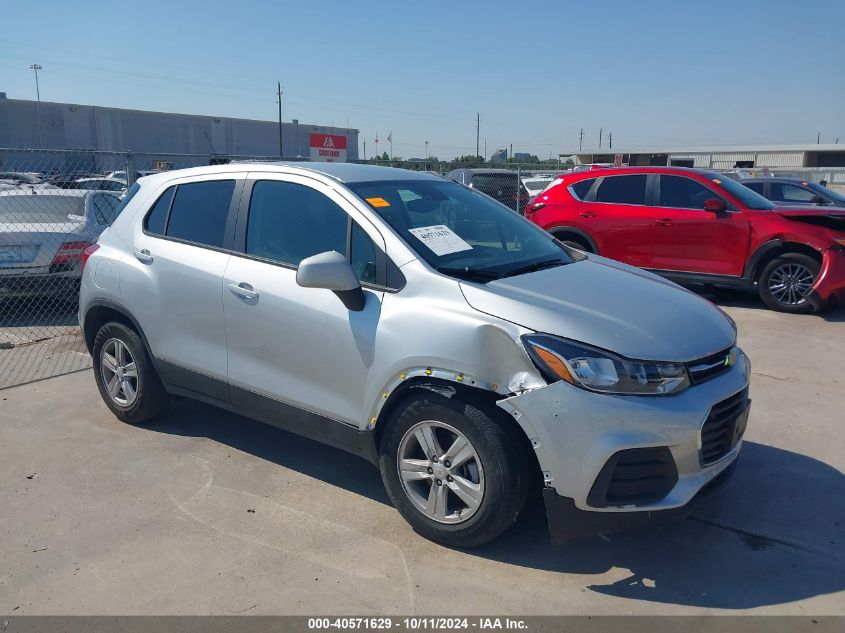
column 708, row 367
column 634, row 477
column 720, row 432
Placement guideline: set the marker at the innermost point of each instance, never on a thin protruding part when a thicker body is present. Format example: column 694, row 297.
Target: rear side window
column 622, row 189
column 157, row 218
column 106, row 208
column 582, row 188
column 791, row 193
column 755, row 186
column 683, row 193
column 289, row 222
column 199, row 212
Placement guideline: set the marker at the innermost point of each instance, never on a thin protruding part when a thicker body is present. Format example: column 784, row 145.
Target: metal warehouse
column 731, row 157
column 67, row 126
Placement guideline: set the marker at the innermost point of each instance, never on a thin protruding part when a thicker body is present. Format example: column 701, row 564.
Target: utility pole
column 581, row 139
column 485, row 150
column 365, row 149
column 610, row 140
column 477, row 133
column 279, row 94
column 818, row 138
column 426, row 150
column 511, row 150
column 600, row 131
column 36, row 68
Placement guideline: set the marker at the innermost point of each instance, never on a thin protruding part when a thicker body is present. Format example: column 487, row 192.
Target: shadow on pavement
column 773, row 535
column 735, row 298
column 305, row 456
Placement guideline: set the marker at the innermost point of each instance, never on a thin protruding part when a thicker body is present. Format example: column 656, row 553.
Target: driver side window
column 289, row 222
column 683, row 193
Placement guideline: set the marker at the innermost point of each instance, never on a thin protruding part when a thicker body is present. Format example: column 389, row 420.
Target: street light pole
column 426, row 150
column 279, row 89
column 36, row 68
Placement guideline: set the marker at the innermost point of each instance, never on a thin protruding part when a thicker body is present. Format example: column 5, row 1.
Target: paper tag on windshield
column 440, row 239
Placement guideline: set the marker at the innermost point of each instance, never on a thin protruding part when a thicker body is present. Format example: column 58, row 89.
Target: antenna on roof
column 213, row 152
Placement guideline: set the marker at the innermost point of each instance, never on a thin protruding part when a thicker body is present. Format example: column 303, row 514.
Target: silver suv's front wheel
column 445, row 484
column 454, row 468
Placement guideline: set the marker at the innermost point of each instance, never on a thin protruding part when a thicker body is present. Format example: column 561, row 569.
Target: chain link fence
column 53, row 205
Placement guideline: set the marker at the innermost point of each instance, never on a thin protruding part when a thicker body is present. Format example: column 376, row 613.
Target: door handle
column 587, row 214
column 243, row 290
column 665, row 222
column 143, row 256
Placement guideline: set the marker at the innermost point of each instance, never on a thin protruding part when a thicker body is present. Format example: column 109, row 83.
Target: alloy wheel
column 119, row 372
column 446, row 485
column 790, row 283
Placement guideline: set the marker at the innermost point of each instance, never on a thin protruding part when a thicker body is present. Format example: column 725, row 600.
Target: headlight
column 598, row 370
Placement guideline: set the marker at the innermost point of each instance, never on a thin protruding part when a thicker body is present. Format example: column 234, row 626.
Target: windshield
column 459, row 231
column 830, row 193
column 746, row 196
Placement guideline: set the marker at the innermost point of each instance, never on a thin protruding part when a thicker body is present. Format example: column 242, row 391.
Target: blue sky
column 654, row 73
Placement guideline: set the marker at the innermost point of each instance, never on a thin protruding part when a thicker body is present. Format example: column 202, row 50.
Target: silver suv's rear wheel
column 125, row 375
column 119, row 372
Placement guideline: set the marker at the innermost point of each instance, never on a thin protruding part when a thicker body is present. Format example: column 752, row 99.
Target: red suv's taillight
column 534, row 206
column 87, row 253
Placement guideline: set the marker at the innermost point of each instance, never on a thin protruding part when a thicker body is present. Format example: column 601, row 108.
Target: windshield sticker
column 378, row 202
column 440, row 239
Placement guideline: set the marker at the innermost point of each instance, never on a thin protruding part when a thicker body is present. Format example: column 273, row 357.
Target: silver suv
column 425, row 327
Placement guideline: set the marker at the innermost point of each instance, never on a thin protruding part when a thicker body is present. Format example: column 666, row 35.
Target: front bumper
column 830, row 283
column 568, row 523
column 575, row 433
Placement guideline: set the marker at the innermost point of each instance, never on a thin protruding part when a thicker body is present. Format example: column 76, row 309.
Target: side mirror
column 715, row 205
column 331, row 271
column 818, row 200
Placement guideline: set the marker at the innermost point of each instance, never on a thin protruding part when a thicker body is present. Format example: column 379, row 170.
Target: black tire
column 151, row 399
column 769, row 275
column 572, row 242
column 505, row 474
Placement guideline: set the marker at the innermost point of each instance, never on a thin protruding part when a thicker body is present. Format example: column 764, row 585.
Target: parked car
column 502, row 185
column 794, row 191
column 68, row 180
column 101, row 184
column 425, row 327
column 698, row 226
column 43, row 236
column 20, row 177
column 536, row 184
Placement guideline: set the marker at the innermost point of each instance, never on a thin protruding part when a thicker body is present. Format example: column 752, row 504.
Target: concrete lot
column 208, row 513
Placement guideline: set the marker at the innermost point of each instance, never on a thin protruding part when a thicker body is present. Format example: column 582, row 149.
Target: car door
column 300, row 346
column 614, row 213
column 173, row 281
column 689, row 239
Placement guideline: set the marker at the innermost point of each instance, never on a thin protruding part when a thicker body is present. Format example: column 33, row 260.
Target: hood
column 815, row 210
column 608, row 304
column 829, row 217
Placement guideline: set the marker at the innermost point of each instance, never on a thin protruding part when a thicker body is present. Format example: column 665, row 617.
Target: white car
column 101, row 184
column 43, row 235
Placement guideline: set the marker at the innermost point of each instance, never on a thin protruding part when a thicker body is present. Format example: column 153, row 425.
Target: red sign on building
column 329, row 148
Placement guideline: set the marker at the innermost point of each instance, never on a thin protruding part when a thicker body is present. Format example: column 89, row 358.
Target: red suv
column 696, row 226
